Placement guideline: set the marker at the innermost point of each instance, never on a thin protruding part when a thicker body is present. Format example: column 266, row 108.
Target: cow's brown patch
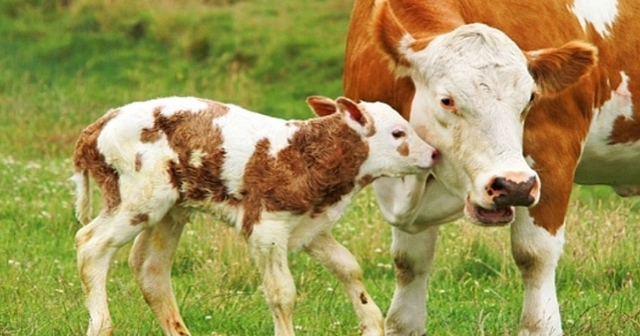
column 544, row 130
column 87, row 157
column 625, row 130
column 318, row 167
column 404, row 269
column 139, row 219
column 187, row 131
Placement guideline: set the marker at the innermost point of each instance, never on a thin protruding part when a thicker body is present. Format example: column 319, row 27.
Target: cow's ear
column 555, row 69
column 322, row 106
column 389, row 33
column 352, row 109
column 393, row 39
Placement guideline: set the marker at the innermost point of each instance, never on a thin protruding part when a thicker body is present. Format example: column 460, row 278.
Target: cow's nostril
column 507, row 192
column 499, row 184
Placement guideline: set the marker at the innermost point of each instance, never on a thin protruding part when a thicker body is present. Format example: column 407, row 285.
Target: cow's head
column 473, row 89
column 395, row 149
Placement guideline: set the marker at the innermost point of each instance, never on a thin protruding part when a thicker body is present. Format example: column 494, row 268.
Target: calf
column 282, row 184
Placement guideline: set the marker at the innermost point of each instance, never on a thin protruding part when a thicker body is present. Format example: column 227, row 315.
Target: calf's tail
column 83, row 196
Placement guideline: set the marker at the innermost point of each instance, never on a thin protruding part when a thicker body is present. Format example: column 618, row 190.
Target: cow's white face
column 473, row 90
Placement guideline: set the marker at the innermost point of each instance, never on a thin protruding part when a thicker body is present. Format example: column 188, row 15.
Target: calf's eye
column 397, row 134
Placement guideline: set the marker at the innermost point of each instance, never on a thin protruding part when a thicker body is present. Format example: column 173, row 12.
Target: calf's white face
column 395, row 149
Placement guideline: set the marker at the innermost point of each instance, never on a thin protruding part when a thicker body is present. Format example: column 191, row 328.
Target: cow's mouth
column 489, row 217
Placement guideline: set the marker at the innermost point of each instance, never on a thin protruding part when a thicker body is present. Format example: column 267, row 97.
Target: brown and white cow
column 283, row 184
column 521, row 98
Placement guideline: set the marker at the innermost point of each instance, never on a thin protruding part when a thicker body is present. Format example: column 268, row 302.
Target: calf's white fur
column 282, row 184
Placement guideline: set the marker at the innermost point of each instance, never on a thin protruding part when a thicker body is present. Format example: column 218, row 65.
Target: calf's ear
column 556, row 69
column 352, row 109
column 322, row 106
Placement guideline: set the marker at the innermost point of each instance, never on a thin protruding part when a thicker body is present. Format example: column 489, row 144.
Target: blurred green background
column 63, row 63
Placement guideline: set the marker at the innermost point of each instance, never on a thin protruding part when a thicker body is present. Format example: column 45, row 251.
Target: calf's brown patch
column 139, row 219
column 150, row 135
column 316, row 169
column 403, row 149
column 138, row 162
column 363, row 298
column 87, row 157
column 187, row 131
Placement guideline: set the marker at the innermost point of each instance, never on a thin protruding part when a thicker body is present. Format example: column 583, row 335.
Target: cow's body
column 583, row 120
column 283, row 184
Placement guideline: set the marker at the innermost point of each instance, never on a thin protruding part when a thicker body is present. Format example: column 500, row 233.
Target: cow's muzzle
column 506, row 191
column 502, row 194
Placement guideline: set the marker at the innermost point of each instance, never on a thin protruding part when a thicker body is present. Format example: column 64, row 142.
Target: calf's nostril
column 435, row 155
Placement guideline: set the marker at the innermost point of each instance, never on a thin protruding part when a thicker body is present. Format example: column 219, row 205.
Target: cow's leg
column 268, row 246
column 96, row 244
column 537, row 235
column 413, row 255
column 343, row 265
column 536, row 252
column 151, row 259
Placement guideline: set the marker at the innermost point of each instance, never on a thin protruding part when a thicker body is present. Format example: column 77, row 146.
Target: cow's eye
column 532, row 98
column 397, row 134
column 447, row 103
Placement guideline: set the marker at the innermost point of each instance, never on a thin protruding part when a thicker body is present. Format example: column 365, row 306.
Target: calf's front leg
column 343, row 265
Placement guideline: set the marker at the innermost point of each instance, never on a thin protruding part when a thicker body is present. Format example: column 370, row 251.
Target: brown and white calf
column 282, row 184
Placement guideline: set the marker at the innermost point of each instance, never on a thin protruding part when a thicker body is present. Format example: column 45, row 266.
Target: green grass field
column 63, row 63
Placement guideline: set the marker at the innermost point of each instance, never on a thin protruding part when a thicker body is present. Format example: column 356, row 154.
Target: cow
column 282, row 184
column 521, row 98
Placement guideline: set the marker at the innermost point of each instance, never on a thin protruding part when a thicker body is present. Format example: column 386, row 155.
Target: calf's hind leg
column 96, row 244
column 151, row 259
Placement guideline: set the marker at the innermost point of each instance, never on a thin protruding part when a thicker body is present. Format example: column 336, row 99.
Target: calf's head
column 473, row 89
column 395, row 149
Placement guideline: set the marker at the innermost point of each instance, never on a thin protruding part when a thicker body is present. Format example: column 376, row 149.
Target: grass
column 64, row 63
